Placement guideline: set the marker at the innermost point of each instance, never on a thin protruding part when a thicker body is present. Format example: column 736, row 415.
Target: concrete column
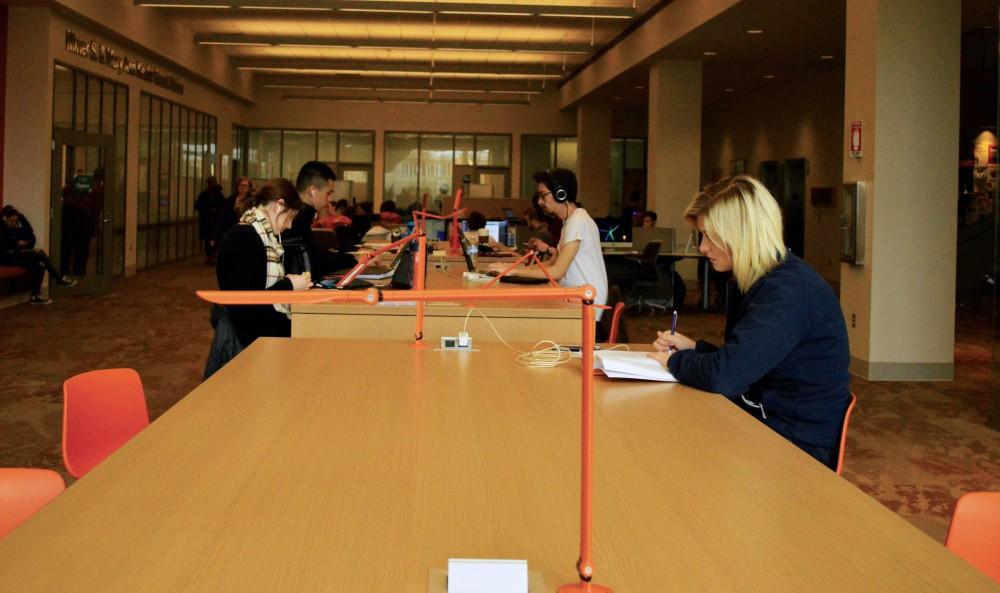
column 902, row 82
column 593, row 137
column 674, row 149
column 28, row 123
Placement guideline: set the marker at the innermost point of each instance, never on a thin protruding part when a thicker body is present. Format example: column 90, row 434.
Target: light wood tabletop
column 320, row 465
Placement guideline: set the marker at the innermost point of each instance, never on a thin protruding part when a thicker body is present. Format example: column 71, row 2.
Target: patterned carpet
column 915, row 447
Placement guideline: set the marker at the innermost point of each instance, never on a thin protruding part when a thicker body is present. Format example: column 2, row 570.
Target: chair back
column 23, row 491
column 102, row 410
column 974, row 533
column 843, row 433
column 650, row 252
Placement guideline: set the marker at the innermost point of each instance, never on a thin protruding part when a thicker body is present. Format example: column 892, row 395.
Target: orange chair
column 102, row 410
column 974, row 533
column 23, row 492
column 843, row 433
column 616, row 317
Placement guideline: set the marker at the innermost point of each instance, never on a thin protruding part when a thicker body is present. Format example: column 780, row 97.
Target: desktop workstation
column 273, row 477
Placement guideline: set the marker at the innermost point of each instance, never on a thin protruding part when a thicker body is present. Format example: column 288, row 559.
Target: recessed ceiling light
column 730, row 90
column 826, row 57
column 640, row 88
column 768, row 76
column 708, row 53
column 617, row 98
column 754, row 31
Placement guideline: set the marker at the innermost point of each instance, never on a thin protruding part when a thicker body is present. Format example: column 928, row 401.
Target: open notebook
column 619, row 364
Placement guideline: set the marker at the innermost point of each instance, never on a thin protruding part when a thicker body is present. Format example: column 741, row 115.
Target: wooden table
column 516, row 321
column 320, row 465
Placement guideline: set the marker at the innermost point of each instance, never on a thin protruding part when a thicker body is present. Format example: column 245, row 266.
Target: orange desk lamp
column 585, row 294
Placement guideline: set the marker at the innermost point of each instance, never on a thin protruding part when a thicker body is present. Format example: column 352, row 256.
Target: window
column 177, row 151
column 541, row 153
column 435, row 165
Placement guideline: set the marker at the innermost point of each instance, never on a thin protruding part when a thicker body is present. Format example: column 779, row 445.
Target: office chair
column 974, row 533
column 102, row 410
column 843, row 433
column 23, row 491
column 648, row 278
column 611, row 328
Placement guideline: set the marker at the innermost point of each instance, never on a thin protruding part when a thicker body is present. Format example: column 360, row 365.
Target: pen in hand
column 673, row 328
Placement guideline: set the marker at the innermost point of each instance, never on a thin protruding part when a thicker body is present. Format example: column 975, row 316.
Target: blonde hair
column 742, row 217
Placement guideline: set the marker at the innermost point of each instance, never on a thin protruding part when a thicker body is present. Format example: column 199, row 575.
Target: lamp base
column 421, row 345
column 584, row 587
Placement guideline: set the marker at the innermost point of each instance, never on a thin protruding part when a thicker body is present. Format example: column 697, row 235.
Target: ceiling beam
column 377, row 98
column 468, row 8
column 360, row 83
column 347, row 66
column 238, row 39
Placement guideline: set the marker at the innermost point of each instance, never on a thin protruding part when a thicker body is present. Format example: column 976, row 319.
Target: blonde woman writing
column 785, row 355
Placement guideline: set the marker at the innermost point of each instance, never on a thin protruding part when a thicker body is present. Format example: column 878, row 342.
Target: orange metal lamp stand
column 586, row 294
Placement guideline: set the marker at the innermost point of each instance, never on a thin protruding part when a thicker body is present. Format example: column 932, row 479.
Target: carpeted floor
column 915, row 447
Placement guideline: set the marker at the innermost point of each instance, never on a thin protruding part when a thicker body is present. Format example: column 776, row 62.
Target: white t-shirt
column 588, row 265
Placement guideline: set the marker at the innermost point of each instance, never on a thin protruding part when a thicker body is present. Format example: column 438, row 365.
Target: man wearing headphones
column 578, row 259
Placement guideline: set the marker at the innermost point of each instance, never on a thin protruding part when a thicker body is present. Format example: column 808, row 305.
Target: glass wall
column 540, row 153
column 433, row 166
column 177, row 151
column 88, row 103
column 274, row 153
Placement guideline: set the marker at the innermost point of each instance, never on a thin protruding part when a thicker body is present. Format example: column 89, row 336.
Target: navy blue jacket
column 786, row 349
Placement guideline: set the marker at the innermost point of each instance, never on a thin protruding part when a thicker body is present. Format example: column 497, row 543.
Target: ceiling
column 506, row 51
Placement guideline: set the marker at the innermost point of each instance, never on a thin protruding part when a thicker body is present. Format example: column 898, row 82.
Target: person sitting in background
column 649, row 220
column 539, row 228
column 231, row 209
column 250, row 258
column 338, row 217
column 785, row 357
column 387, row 213
column 17, row 248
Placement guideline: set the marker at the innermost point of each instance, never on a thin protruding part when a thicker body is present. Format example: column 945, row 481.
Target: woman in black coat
column 250, row 259
column 785, row 357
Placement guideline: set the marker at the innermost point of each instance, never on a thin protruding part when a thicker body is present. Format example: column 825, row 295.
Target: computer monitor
column 612, row 230
column 497, row 230
column 509, row 214
column 436, row 230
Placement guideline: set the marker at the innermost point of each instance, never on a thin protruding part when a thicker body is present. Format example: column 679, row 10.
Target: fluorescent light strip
column 459, row 90
column 378, row 90
column 300, row 8
column 584, row 16
column 393, row 11
column 348, row 88
column 288, row 86
column 152, row 5
column 403, row 73
column 235, row 43
column 499, row 92
column 474, row 13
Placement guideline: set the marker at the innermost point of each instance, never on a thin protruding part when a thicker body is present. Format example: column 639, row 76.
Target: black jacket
column 242, row 265
column 10, row 237
column 786, row 349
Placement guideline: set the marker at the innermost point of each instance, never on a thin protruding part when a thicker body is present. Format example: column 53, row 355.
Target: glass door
column 80, row 210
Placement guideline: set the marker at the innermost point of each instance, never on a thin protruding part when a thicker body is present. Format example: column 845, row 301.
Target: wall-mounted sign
column 122, row 64
column 856, row 139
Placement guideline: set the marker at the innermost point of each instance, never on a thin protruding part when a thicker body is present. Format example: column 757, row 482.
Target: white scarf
column 256, row 218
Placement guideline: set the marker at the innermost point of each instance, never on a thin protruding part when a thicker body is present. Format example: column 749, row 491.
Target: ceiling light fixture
column 389, row 10
column 826, row 57
column 769, row 76
column 729, row 90
column 584, row 16
column 299, row 8
column 755, row 31
column 155, row 5
column 708, row 53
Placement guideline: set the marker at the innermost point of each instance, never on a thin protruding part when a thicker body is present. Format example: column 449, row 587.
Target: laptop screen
column 497, row 230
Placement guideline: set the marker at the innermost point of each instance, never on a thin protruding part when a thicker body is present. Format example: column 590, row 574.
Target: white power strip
column 463, row 341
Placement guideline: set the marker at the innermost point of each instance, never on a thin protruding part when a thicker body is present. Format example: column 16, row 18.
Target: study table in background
column 514, row 320
column 614, row 252
column 321, row 465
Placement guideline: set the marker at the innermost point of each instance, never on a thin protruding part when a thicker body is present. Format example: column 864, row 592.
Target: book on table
column 619, row 364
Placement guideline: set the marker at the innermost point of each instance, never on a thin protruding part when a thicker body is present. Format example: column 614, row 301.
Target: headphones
column 559, row 192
